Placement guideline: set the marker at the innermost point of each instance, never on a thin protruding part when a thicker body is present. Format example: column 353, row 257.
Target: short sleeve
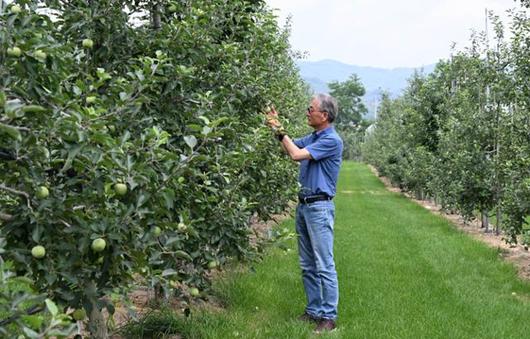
column 301, row 142
column 324, row 147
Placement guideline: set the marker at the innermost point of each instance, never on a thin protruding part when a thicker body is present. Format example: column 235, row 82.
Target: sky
column 385, row 33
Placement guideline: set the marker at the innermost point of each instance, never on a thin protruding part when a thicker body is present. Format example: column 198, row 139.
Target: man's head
column 322, row 111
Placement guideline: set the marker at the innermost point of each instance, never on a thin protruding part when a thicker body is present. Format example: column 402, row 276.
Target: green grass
column 403, row 273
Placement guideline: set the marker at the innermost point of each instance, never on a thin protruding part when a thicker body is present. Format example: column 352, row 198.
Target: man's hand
column 272, row 119
column 274, row 123
column 296, row 153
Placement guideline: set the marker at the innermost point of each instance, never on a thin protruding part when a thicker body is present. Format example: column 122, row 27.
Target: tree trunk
column 159, row 293
column 96, row 322
column 155, row 14
column 485, row 221
column 498, row 223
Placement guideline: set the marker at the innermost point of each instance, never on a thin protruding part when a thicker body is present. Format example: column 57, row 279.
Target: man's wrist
column 280, row 136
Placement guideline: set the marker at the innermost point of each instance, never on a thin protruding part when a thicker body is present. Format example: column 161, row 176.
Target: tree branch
column 5, row 217
column 17, row 192
column 14, row 191
column 30, row 311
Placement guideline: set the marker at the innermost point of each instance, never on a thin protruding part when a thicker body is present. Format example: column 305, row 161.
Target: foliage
column 171, row 111
column 524, row 3
column 349, row 95
column 349, row 122
column 460, row 135
column 21, row 308
column 421, row 260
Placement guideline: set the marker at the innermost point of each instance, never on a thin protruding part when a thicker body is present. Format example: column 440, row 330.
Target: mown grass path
column 403, row 273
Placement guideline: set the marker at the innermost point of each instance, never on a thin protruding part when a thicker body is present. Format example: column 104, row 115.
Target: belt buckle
column 305, row 200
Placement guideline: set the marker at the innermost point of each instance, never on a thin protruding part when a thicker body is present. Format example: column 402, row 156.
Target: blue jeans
column 314, row 226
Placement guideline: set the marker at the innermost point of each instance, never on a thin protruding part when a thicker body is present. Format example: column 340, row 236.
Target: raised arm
column 296, row 153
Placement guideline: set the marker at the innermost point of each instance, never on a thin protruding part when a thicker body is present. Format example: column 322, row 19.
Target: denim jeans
column 314, row 226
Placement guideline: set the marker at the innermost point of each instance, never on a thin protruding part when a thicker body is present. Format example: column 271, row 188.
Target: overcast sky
column 384, row 33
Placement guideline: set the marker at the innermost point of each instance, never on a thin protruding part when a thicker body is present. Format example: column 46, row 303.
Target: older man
column 320, row 157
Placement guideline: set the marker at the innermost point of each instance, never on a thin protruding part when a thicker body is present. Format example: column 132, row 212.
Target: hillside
column 375, row 80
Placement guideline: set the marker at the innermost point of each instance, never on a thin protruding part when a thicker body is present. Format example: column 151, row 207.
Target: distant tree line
column 461, row 135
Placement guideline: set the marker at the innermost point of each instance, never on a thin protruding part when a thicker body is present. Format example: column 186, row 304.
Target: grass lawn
column 403, row 273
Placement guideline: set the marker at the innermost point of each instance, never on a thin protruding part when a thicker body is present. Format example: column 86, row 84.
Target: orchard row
column 132, row 144
column 461, row 135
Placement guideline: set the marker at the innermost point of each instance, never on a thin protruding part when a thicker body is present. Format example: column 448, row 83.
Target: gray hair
column 328, row 104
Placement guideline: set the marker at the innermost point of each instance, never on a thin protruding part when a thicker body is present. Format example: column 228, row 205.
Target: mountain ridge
column 375, row 80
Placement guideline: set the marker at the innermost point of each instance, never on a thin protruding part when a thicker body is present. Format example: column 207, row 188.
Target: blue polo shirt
column 319, row 175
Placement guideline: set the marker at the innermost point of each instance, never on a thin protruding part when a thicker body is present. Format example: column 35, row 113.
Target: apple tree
column 134, row 154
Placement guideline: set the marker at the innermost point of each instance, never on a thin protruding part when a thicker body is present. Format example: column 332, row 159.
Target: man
column 320, row 157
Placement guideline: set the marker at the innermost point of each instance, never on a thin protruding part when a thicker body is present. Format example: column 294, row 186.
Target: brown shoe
column 308, row 318
column 325, row 325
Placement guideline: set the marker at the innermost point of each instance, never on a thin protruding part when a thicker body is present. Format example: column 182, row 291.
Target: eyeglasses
column 311, row 110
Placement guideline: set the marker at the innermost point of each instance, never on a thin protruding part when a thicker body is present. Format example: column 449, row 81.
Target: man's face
column 315, row 117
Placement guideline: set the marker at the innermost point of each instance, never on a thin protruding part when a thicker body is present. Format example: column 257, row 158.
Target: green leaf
column 125, row 137
column 50, row 305
column 36, row 234
column 123, row 96
column 172, row 240
column 11, row 106
column 169, row 197
column 62, row 333
column 206, row 130
column 30, row 333
column 11, row 131
column 77, row 91
column 33, row 109
column 191, row 141
column 72, row 153
column 194, row 127
column 130, row 162
column 205, row 119
column 142, row 199
column 183, row 255
column 168, row 272
column 219, row 121
column 102, row 75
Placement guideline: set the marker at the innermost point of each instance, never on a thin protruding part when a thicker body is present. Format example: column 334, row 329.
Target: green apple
column 90, row 99
column 40, row 55
column 14, row 52
column 120, row 189
column 88, row 43
column 182, row 227
column 157, row 231
column 194, row 291
column 99, row 244
column 172, row 9
column 15, row 9
column 212, row 264
column 79, row 314
column 42, row 192
column 38, row 251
